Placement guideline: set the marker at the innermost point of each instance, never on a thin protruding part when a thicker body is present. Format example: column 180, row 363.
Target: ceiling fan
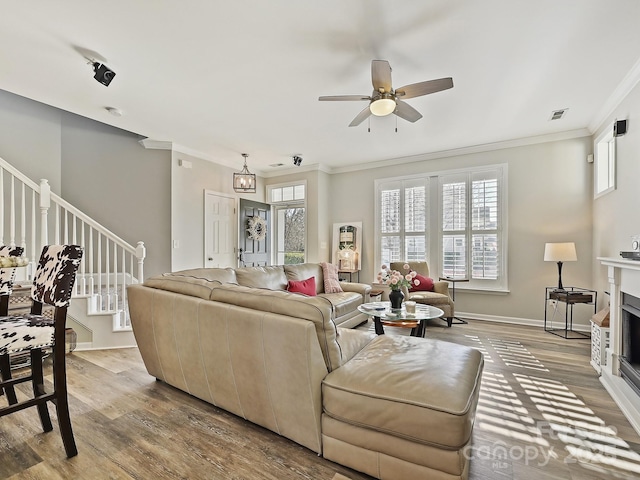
column 384, row 100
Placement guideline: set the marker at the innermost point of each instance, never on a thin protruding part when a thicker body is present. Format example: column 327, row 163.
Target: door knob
column 210, row 259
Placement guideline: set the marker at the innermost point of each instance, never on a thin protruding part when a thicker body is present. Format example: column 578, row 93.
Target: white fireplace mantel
column 624, row 277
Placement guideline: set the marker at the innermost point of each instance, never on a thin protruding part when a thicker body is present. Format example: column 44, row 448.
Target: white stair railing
column 109, row 263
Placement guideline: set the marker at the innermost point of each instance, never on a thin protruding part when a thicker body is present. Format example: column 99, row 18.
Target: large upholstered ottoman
column 403, row 408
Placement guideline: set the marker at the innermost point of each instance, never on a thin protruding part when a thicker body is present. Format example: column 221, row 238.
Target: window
column 403, row 221
column 461, row 235
column 604, row 176
column 290, row 238
column 471, row 227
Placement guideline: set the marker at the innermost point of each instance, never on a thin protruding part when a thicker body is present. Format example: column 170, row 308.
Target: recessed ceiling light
column 116, row 112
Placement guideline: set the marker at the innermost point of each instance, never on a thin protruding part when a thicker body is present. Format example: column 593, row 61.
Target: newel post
column 141, row 252
column 45, row 203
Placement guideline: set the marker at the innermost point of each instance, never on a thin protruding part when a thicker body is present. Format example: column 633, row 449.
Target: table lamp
column 560, row 252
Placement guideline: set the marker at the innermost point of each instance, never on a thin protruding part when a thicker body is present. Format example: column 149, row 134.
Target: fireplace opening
column 630, row 360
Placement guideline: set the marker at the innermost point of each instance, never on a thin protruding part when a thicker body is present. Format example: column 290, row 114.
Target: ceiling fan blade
column 406, row 111
column 343, row 98
column 424, row 88
column 381, row 75
column 361, row 117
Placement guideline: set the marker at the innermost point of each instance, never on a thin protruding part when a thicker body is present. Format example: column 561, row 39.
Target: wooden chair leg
column 5, row 370
column 37, row 382
column 62, row 400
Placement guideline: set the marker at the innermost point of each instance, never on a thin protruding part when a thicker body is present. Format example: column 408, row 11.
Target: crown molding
column 151, row 144
column 518, row 142
column 625, row 87
column 293, row 170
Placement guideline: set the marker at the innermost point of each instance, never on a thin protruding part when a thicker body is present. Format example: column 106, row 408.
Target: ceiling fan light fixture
column 382, row 106
column 245, row 181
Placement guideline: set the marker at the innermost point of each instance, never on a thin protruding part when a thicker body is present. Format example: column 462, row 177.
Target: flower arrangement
column 397, row 280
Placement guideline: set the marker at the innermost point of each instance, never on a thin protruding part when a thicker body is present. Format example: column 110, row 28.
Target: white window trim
column 606, row 137
column 284, row 204
column 434, row 245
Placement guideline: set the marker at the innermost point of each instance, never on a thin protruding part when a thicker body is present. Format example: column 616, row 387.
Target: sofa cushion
column 307, row 286
column 425, row 285
column 271, row 277
column 188, row 282
column 430, row 298
column 343, row 302
column 331, row 279
column 418, row 389
column 222, row 275
column 306, row 270
column 315, row 309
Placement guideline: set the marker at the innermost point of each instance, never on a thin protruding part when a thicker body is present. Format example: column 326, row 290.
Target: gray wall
column 111, row 177
column 30, row 138
column 101, row 170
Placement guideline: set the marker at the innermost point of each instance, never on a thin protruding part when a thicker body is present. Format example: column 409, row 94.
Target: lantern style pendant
column 245, row 181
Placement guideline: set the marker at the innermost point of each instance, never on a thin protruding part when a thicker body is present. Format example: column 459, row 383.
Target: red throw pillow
column 426, row 284
column 308, row 286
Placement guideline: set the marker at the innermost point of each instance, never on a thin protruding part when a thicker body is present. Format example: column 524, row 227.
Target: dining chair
column 33, row 332
column 7, row 277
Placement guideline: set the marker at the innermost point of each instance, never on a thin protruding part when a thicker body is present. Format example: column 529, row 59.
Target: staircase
column 31, row 217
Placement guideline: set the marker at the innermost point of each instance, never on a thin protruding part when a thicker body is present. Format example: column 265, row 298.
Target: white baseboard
column 517, row 321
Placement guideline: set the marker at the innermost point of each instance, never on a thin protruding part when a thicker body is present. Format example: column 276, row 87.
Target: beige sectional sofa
column 394, row 407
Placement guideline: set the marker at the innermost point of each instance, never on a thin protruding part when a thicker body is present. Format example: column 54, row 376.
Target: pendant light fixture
column 245, row 181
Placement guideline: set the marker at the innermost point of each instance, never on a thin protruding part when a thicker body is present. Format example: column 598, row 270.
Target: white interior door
column 219, row 230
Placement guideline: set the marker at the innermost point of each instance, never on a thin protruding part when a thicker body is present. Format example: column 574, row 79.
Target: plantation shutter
column 403, row 220
column 390, row 221
column 471, row 225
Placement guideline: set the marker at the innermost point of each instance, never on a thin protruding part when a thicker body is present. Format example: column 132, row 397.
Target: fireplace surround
column 630, row 331
column 621, row 374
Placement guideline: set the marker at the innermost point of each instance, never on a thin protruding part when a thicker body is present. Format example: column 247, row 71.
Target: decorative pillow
column 426, row 284
column 308, row 286
column 331, row 280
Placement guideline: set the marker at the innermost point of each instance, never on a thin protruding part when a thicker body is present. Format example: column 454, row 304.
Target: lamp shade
column 560, row 252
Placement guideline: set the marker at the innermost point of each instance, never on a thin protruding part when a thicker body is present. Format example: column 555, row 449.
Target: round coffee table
column 383, row 315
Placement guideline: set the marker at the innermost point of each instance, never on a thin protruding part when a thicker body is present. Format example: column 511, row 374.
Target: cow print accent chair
column 52, row 285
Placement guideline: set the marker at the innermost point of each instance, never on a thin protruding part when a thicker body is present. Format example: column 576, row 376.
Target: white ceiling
column 225, row 77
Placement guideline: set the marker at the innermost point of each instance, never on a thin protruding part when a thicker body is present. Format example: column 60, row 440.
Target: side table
column 350, row 273
column 570, row 296
column 453, row 281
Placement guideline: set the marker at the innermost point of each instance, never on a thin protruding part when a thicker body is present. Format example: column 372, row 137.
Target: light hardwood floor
column 543, row 414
